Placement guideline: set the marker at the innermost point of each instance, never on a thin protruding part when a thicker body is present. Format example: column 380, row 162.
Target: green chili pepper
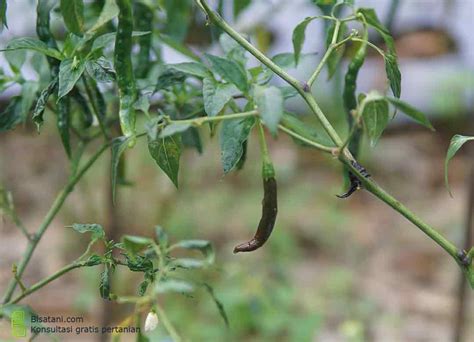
column 350, row 104
column 43, row 31
column 143, row 22
column 88, row 118
column 63, row 108
column 349, row 93
column 124, row 69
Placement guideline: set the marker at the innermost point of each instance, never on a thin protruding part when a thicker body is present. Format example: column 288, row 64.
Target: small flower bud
column 151, row 321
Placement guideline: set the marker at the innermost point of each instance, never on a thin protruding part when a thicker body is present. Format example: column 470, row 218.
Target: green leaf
column 374, row 111
column 393, row 74
column 135, row 244
column 456, row 143
column 239, row 6
column 269, row 102
column 3, row 14
column 173, row 285
column 70, row 70
column 166, row 152
column 298, row 38
column 27, row 43
column 336, row 56
column 143, row 287
column 391, row 64
column 42, row 101
column 109, row 11
column 73, row 14
column 168, row 78
column 28, row 95
column 119, row 145
column 138, row 263
column 15, row 59
column 95, row 229
column 301, row 128
column 104, row 285
column 191, row 68
column 93, row 260
column 216, row 95
column 178, row 15
column 230, row 71
column 173, row 129
column 204, row 246
column 192, row 139
column 101, row 70
column 11, row 116
column 233, row 134
column 412, row 112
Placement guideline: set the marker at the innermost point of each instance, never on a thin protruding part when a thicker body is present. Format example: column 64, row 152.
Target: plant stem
column 57, row 204
column 263, row 145
column 376, row 190
column 345, row 157
column 217, row 19
column 46, row 281
column 202, row 120
column 167, row 323
column 305, row 140
column 372, row 45
column 327, row 54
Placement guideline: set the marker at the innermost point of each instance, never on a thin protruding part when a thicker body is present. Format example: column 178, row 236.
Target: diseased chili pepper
column 267, row 222
column 143, row 22
column 124, row 69
column 269, row 205
column 350, row 105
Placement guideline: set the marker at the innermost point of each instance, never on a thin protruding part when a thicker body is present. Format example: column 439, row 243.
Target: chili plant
column 103, row 70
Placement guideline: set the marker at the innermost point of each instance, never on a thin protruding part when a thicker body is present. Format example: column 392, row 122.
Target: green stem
column 376, row 190
column 46, row 281
column 327, row 54
column 168, row 325
column 263, row 144
column 345, row 157
column 305, row 140
column 202, row 120
column 57, row 204
column 217, row 19
column 372, row 45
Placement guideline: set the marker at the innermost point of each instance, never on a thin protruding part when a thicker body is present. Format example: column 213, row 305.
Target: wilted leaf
column 95, row 229
column 204, row 246
column 191, row 68
column 299, row 34
column 173, row 129
column 135, row 244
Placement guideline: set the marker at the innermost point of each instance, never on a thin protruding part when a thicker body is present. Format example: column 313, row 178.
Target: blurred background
column 334, row 270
